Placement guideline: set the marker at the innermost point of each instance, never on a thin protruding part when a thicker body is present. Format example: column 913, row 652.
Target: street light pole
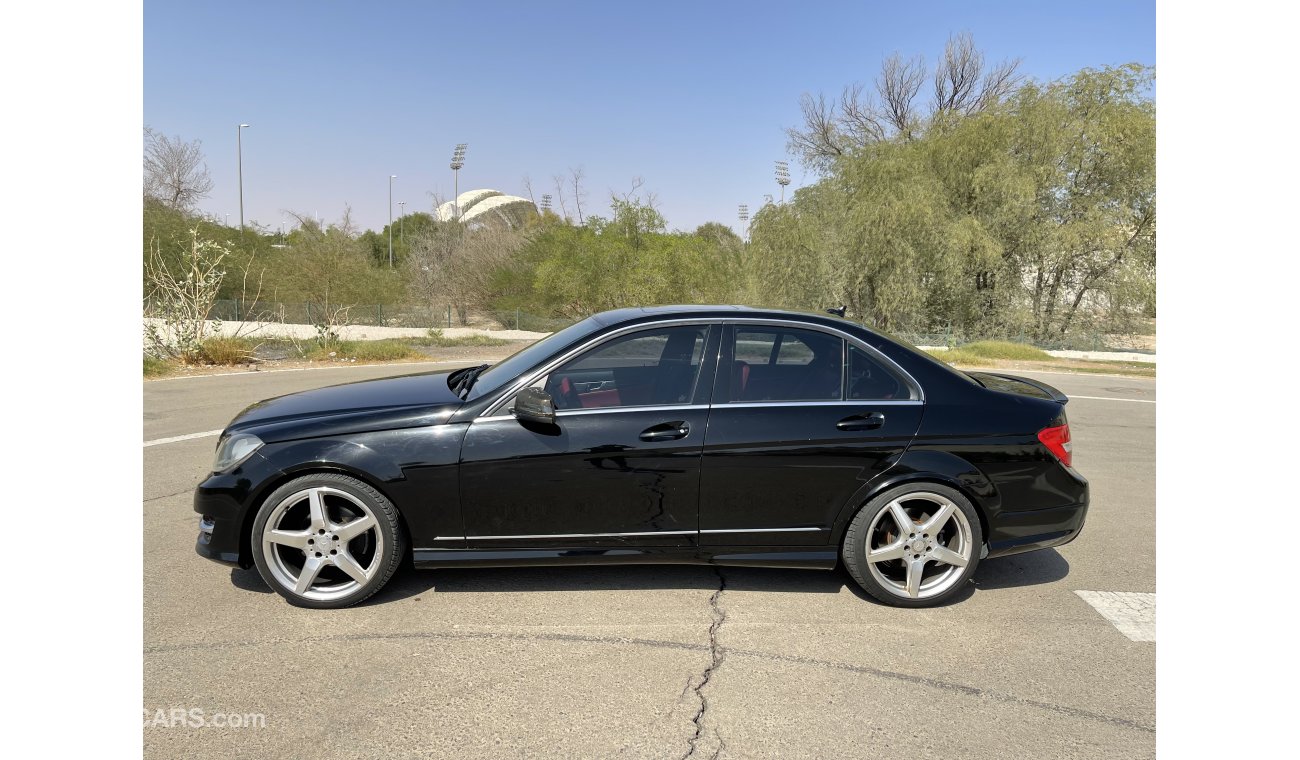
column 391, row 177
column 239, row 140
column 401, row 220
column 457, row 161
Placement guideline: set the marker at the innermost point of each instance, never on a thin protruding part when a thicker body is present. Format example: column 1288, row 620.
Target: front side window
column 785, row 364
column 655, row 367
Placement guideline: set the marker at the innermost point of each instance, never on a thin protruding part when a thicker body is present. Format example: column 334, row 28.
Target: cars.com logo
column 197, row 717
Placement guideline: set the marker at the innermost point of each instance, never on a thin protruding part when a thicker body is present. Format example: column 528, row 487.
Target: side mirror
column 535, row 405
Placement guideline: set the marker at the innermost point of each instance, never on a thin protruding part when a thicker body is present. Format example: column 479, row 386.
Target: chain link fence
column 435, row 316
column 443, row 316
column 950, row 337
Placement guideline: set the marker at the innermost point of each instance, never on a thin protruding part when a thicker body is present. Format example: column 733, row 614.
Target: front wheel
column 326, row 541
column 914, row 545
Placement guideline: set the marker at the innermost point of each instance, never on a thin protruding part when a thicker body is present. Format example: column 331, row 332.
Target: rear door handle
column 668, row 431
column 868, row 421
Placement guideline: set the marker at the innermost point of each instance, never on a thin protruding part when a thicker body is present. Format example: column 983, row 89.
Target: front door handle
column 668, row 431
column 868, row 421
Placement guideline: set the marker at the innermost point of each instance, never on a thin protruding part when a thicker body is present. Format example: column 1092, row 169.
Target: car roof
column 619, row 316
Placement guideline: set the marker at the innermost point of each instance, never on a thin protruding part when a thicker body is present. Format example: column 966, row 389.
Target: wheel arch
column 938, row 467
column 270, row 486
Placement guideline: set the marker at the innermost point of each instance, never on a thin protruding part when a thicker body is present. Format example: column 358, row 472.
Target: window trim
column 916, row 392
column 531, row 377
column 717, row 326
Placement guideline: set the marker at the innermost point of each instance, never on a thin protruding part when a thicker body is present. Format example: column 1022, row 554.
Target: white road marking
column 176, row 438
column 1111, row 398
column 1131, row 612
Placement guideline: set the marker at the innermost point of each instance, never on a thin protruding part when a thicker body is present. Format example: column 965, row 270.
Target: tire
column 926, row 565
column 337, row 528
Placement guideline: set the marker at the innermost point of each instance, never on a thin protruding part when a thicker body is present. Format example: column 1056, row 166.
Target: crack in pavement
column 168, row 496
column 949, row 686
column 446, row 635
column 716, row 657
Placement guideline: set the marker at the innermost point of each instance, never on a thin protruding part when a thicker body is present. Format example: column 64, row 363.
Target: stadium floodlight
column 782, row 176
column 457, row 161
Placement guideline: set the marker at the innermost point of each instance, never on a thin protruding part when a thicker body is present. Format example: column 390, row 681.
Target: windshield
column 530, row 356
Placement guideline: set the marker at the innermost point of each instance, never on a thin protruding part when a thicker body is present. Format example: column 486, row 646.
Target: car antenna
column 839, row 312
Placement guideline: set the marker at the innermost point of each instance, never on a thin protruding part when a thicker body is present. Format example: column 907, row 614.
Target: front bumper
column 223, row 502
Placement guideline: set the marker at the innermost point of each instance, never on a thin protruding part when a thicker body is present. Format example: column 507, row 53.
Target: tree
column 579, row 195
column 174, row 170
column 331, row 271
column 181, row 297
column 1035, row 214
column 963, row 84
column 448, row 263
column 625, row 259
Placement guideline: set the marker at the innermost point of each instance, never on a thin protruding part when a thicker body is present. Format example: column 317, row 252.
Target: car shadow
column 1021, row 570
column 249, row 580
column 1029, row 569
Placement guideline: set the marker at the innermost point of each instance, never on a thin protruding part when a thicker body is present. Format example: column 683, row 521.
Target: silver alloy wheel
column 918, row 545
column 327, row 550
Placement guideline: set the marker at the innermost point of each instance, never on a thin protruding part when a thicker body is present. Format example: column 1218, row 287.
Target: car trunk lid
column 1023, row 386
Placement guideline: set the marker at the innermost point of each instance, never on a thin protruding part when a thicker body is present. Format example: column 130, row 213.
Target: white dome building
column 488, row 208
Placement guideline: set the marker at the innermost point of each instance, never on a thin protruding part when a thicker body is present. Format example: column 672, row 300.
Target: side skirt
column 810, row 558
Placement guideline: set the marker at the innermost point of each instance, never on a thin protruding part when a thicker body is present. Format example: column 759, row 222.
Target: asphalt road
column 651, row 661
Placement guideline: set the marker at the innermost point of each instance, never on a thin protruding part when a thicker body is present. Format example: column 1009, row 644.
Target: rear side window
column 785, row 364
column 868, row 379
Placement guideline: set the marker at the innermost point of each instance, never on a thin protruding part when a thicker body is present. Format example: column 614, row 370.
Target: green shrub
column 155, row 367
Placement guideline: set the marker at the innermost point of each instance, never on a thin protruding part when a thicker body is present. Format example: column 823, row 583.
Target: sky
column 693, row 98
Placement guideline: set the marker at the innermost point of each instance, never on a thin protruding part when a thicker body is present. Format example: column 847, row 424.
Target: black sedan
column 683, row 434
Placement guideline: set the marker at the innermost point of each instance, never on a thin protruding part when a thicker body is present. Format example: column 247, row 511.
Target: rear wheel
column 326, row 541
column 915, row 545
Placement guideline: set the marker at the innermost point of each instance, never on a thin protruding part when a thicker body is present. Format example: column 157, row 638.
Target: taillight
column 1057, row 441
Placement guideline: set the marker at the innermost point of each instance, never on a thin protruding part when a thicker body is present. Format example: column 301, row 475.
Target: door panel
column 592, row 473
column 771, row 468
column 780, row 458
column 622, row 463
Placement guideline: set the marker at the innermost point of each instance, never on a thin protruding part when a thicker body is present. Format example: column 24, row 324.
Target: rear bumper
column 1017, row 532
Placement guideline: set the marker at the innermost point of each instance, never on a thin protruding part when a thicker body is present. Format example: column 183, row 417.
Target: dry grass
column 960, row 357
column 392, row 349
column 227, row 351
column 1001, row 349
column 437, row 339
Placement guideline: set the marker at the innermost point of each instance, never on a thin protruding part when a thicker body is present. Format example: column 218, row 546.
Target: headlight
column 233, row 450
